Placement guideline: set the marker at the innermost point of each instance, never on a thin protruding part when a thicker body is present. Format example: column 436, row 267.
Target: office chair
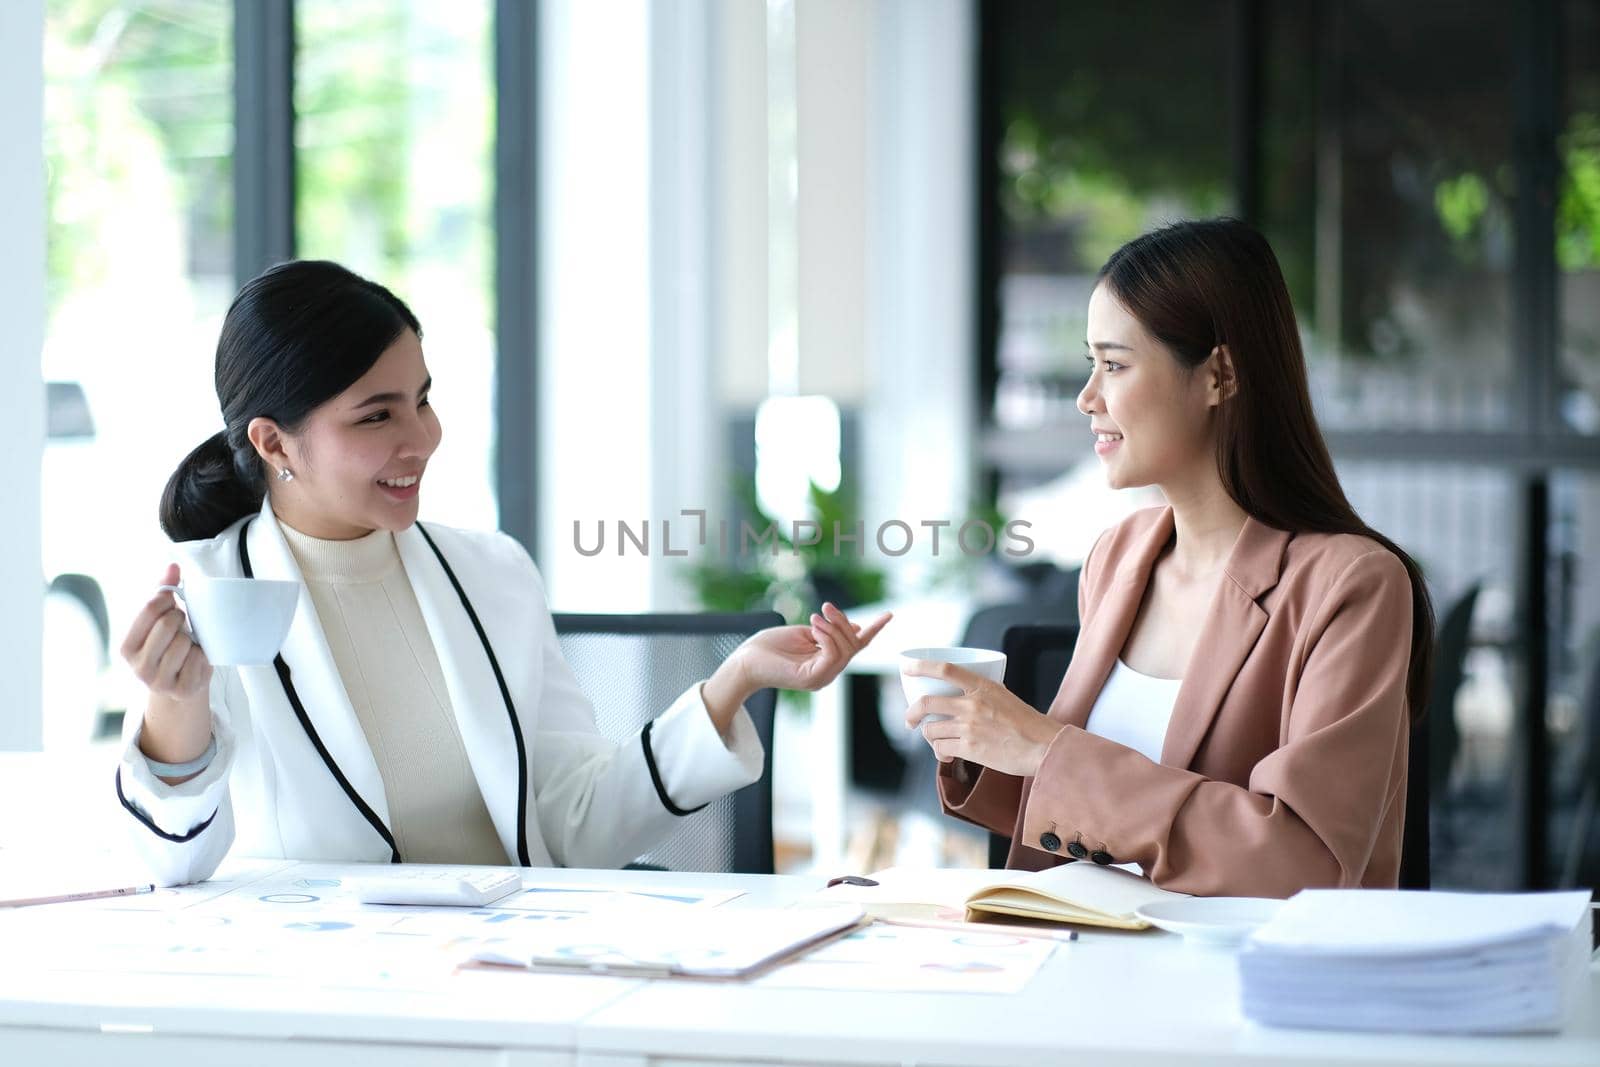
column 988, row 625
column 86, row 591
column 1449, row 668
column 1589, row 774
column 631, row 667
column 1435, row 741
column 986, row 628
column 1037, row 656
column 881, row 753
column 1416, row 852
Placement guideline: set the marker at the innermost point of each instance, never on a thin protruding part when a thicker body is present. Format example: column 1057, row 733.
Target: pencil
column 986, row 928
column 92, row 894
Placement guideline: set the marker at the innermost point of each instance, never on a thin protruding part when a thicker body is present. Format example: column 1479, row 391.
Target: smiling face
column 1152, row 417
column 358, row 459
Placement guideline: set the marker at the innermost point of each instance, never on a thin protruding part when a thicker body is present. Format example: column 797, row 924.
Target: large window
column 393, row 117
column 394, row 134
column 1093, row 148
column 138, row 141
column 1578, row 221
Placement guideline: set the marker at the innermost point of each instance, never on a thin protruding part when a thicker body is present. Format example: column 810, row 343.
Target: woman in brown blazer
column 1296, row 639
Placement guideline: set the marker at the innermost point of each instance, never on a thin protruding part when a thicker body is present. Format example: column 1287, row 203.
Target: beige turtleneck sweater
column 391, row 673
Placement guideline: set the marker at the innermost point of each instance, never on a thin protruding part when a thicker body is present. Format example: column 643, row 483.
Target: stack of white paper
column 1419, row 961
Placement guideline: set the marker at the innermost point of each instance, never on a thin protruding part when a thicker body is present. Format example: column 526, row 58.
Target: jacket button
column 1049, row 841
column 1100, row 857
column 1077, row 851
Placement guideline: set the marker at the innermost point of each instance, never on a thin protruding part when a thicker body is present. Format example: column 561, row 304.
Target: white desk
column 1110, row 997
column 1136, row 999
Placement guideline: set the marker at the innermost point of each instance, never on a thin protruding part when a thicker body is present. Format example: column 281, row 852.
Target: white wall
column 630, row 217
column 22, row 274
column 657, row 262
column 740, row 218
column 833, row 106
column 594, row 275
column 685, row 204
column 919, row 412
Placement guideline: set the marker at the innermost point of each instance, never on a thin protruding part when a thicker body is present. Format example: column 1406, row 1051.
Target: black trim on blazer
column 505, row 694
column 655, row 775
column 151, row 826
column 311, row 731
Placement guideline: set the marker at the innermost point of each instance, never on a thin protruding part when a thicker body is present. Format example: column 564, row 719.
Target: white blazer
column 307, row 785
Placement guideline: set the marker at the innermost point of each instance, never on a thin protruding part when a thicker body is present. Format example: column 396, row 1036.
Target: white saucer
column 1211, row 920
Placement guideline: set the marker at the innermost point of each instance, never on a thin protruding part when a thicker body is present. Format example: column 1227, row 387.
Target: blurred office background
column 827, row 259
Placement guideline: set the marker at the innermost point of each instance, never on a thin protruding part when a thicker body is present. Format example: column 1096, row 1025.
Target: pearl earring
column 286, row 475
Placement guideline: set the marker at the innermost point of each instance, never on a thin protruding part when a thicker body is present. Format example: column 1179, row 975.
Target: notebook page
column 1089, row 885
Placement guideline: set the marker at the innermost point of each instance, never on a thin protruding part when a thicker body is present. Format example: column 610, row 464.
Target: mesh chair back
column 631, row 667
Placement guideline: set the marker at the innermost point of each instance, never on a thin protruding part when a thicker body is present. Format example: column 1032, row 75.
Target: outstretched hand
column 806, row 657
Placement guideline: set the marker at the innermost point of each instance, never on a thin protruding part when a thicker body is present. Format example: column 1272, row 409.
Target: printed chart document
column 881, row 958
column 1083, row 893
column 709, row 943
column 1366, row 959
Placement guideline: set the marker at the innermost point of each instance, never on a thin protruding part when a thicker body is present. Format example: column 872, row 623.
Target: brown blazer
column 1284, row 764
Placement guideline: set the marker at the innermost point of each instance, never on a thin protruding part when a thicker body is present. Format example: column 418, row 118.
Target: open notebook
column 1083, row 893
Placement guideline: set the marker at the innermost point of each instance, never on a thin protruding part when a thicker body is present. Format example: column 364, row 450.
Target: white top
column 391, row 673
column 1134, row 709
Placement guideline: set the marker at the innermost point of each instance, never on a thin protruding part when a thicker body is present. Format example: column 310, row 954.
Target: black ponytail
column 206, row 494
column 296, row 336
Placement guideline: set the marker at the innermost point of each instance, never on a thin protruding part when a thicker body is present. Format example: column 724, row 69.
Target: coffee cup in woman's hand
column 222, row 622
column 981, row 661
column 238, row 621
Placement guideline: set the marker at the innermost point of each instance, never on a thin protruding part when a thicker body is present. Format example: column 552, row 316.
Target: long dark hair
column 297, row 336
column 1200, row 284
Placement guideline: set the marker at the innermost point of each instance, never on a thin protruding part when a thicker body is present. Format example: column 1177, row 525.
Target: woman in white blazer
column 420, row 708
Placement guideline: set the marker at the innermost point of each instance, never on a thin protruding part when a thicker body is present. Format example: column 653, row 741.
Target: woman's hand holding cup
column 160, row 650
column 177, row 724
column 959, row 701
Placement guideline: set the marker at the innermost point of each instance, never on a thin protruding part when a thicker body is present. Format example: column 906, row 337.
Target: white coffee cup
column 982, row 661
column 238, row 621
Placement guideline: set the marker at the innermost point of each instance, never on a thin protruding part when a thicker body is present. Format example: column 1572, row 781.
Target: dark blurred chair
column 1449, row 669
column 1416, row 848
column 631, row 667
column 1435, row 742
column 987, row 628
column 1588, row 773
column 1037, row 657
column 86, row 591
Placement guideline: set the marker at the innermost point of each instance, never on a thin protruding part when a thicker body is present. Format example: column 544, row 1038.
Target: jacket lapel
column 1232, row 626
column 1107, row 629
column 313, row 671
column 475, row 698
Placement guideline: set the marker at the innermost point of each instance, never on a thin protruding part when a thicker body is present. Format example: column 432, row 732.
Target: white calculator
column 466, row 887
